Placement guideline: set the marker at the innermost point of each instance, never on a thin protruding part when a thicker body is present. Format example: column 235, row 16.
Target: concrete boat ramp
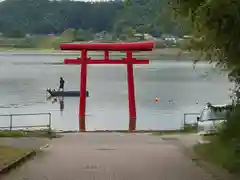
column 110, row 156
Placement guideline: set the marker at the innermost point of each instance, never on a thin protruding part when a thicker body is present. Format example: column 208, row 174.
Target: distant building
column 187, row 37
column 51, row 34
column 103, row 36
column 28, row 35
column 144, row 36
column 171, row 38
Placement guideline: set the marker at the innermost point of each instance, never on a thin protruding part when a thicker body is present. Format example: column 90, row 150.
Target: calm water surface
column 25, row 78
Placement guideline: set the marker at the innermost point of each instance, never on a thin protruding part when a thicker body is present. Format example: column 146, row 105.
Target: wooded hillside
column 45, row 17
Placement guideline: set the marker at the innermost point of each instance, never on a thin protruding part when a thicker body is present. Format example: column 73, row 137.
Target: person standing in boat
column 62, row 82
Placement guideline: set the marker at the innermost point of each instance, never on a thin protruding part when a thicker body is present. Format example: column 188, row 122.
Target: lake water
column 180, row 89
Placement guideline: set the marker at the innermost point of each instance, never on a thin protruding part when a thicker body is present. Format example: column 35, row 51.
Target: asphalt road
column 105, row 156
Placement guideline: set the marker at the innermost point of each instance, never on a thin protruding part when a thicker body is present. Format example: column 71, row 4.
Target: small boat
column 54, row 93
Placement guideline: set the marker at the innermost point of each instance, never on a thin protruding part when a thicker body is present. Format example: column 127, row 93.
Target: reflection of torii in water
column 194, row 64
column 194, row 68
column 198, row 59
column 61, row 102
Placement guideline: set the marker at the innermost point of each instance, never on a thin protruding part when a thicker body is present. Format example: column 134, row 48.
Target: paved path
column 109, row 156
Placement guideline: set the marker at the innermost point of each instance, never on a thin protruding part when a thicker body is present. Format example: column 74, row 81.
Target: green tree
column 14, row 33
column 215, row 28
column 68, row 35
column 216, row 32
column 83, row 35
column 54, row 17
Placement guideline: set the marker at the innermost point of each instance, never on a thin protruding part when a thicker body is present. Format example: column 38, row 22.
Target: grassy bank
column 224, row 148
column 155, row 52
column 8, row 49
column 188, row 128
column 38, row 133
column 8, row 155
column 224, row 155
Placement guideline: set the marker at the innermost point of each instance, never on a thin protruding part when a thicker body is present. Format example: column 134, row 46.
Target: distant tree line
column 21, row 17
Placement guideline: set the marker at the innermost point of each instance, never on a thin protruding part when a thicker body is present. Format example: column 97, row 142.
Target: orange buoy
column 156, row 100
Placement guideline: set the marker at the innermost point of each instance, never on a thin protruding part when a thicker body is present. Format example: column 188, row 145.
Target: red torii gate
column 129, row 48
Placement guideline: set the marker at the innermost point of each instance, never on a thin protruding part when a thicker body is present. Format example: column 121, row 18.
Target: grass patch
column 4, row 49
column 221, row 154
column 157, row 51
column 9, row 155
column 37, row 133
column 12, row 134
column 208, row 137
column 172, row 132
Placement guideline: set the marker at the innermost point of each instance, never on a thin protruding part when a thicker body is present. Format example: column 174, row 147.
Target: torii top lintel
column 125, row 46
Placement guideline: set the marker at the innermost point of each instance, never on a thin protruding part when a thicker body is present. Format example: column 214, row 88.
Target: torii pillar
column 129, row 60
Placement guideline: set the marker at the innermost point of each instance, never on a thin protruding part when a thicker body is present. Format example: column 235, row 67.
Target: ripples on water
column 180, row 88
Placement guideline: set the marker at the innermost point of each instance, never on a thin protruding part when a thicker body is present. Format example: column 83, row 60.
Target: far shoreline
column 30, row 51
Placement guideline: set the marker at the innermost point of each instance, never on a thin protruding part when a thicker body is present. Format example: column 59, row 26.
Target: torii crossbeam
column 129, row 60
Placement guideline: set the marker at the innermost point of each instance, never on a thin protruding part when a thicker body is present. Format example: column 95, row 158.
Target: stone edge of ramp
column 21, row 160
